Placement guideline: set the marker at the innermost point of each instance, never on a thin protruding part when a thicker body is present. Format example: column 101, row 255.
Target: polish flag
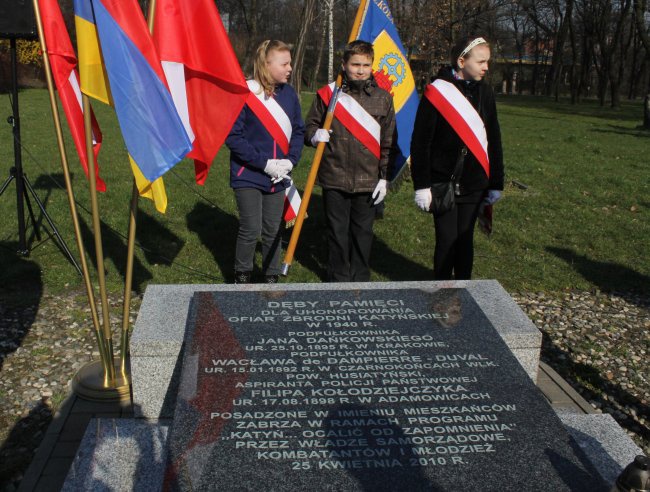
column 204, row 76
column 66, row 78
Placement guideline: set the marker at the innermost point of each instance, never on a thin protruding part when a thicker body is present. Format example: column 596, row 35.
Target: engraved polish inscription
column 353, row 385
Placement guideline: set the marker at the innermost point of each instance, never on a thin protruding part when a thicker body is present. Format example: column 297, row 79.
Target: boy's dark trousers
column 349, row 235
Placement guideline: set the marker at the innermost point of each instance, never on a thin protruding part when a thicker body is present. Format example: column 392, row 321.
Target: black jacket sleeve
column 495, row 149
column 423, row 133
column 388, row 141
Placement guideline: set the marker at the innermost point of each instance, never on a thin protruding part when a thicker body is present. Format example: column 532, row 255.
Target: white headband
column 472, row 45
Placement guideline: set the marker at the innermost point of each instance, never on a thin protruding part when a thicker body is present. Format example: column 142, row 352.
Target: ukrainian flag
column 377, row 27
column 91, row 67
column 118, row 65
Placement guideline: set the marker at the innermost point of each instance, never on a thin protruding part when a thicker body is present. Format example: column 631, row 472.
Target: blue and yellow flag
column 125, row 73
column 377, row 27
column 91, row 67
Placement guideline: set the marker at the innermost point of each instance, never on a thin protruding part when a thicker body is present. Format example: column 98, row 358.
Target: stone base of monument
column 374, row 386
column 120, row 454
column 163, row 319
column 129, row 454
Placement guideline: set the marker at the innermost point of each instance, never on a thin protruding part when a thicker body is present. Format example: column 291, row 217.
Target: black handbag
column 443, row 195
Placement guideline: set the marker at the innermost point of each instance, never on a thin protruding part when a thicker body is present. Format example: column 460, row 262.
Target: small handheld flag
column 291, row 204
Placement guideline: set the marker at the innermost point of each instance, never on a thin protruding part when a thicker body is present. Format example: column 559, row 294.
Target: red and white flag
column 292, row 203
column 204, row 76
column 355, row 119
column 63, row 61
column 463, row 118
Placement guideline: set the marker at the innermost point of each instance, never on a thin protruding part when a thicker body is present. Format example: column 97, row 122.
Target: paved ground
column 50, row 466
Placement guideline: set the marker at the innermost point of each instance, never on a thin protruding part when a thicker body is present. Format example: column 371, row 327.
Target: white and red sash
column 271, row 114
column 355, row 119
column 463, row 118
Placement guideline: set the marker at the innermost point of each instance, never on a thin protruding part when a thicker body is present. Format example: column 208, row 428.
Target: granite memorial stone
column 403, row 389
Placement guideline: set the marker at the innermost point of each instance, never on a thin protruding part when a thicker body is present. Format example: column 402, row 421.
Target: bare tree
column 330, row 45
column 301, row 43
column 321, row 44
column 580, row 47
column 640, row 9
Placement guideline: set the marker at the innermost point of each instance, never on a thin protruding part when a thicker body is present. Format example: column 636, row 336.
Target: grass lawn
column 582, row 222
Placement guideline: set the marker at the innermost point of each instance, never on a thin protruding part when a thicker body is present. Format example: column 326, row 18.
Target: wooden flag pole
column 130, row 248
column 70, row 192
column 313, row 172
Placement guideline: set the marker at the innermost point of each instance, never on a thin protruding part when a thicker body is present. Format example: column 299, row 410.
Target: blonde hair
column 260, row 70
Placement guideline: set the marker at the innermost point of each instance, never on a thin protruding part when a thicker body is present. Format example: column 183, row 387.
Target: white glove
column 492, row 197
column 273, row 168
column 380, row 191
column 423, row 199
column 321, row 135
column 285, row 166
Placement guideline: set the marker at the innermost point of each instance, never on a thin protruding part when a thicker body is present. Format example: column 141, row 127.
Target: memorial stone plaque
column 360, row 390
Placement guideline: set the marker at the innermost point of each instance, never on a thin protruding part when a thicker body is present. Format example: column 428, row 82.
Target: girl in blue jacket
column 265, row 144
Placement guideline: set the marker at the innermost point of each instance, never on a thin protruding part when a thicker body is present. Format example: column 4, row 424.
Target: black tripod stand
column 22, row 183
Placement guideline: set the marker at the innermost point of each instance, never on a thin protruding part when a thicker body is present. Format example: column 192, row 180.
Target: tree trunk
column 634, row 76
column 330, row 44
column 614, row 88
column 533, row 85
column 585, row 80
column 452, row 13
column 301, row 44
column 249, row 14
column 603, row 79
column 615, row 85
column 610, row 45
column 574, row 84
column 639, row 16
column 321, row 46
column 553, row 81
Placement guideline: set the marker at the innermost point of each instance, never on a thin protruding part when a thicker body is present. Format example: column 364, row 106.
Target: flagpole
column 99, row 251
column 313, row 172
column 130, row 248
column 128, row 280
column 70, row 191
column 87, row 382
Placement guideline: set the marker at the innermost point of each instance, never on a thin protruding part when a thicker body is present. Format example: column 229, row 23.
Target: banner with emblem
column 390, row 62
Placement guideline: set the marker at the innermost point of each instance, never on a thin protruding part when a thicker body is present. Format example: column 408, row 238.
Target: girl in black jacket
column 436, row 149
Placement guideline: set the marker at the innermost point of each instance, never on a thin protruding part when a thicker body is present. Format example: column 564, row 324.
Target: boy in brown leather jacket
column 355, row 163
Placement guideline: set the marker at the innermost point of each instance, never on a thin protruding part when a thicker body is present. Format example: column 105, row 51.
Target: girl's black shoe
column 242, row 277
